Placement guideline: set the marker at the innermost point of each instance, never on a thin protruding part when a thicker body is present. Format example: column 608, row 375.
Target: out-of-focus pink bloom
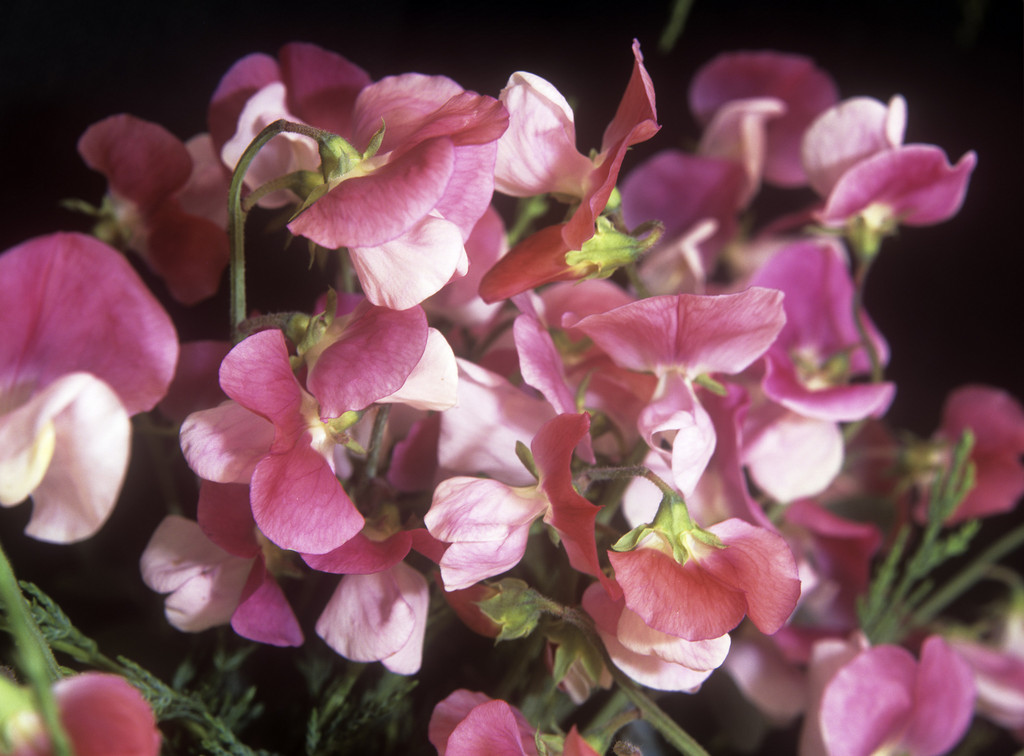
column 537, row 155
column 85, row 346
column 467, row 723
column 166, row 203
column 102, row 715
column 487, row 522
column 380, row 616
column 997, row 421
column 195, row 385
column 740, row 570
column 220, row 569
column 652, row 658
column 802, row 88
column 885, row 700
column 848, row 133
column 776, row 686
column 680, row 339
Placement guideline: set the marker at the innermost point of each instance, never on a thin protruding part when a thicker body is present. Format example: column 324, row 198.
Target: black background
column 947, row 298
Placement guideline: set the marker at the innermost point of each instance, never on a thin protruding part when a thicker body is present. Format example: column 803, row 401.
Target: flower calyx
column 672, row 531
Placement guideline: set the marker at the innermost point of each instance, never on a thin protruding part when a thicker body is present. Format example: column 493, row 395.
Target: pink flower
column 102, row 714
column 538, row 155
column 700, row 584
column 679, row 339
column 487, row 522
column 470, row 724
column 85, row 346
column 166, row 205
column 793, row 80
column 381, row 616
column 885, row 700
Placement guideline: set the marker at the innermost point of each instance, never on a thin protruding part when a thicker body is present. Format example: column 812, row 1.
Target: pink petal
column 68, row 448
column 103, row 715
column 678, row 418
column 379, row 207
column 264, row 615
column 322, row 85
column 635, row 118
column 536, row 260
column 403, row 272
column 195, row 385
column 433, row 383
column 223, row 444
column 143, row 161
column 847, row 133
column 244, row 79
column 403, row 104
column 60, row 292
column 489, row 728
column 791, row 456
column 372, row 356
column 187, row 252
column 702, row 334
column 378, row 617
column 944, row 693
column 361, row 555
column 469, row 192
column 914, row 184
column 225, row 517
column 448, row 713
column 538, row 154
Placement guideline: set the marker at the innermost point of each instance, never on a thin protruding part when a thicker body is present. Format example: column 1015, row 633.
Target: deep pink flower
column 167, row 205
column 85, row 346
column 885, row 700
column 743, row 570
column 102, row 714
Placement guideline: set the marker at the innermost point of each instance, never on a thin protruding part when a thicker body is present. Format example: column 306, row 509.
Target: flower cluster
column 636, row 428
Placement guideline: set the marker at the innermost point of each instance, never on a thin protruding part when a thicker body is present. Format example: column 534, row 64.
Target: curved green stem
column 36, row 659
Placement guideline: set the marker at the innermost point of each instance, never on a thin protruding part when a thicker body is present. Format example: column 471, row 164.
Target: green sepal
column 706, row 381
column 605, row 252
column 526, row 457
column 337, row 157
column 375, row 142
column 516, row 608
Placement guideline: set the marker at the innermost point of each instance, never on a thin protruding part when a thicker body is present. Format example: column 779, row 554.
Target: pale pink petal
column 914, row 185
column 67, row 299
column 827, row 656
column 204, row 194
column 944, row 693
column 792, row 456
column 847, row 133
column 223, row 444
column 103, row 715
column 205, row 582
column 771, row 682
column 68, row 448
column 244, row 79
column 378, row 617
column 433, row 383
column 403, row 272
column 380, row 206
column 538, row 154
column 679, row 419
column 700, row 656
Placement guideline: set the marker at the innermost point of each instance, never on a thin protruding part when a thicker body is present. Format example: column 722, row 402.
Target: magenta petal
column 264, row 615
column 943, row 700
column 376, row 352
column 257, row 375
column 489, row 728
column 361, row 555
column 244, row 79
column 915, row 184
column 841, row 403
column 104, row 715
column 143, row 161
column 299, row 504
column 376, row 208
column 71, row 303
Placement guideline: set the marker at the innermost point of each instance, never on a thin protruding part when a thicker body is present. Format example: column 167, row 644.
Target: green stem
column 967, row 577
column 36, row 659
column 237, row 215
column 860, row 318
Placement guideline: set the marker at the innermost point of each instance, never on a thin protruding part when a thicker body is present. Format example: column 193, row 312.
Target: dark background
column 947, row 298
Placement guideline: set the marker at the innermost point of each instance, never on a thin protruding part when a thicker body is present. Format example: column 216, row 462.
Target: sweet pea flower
column 756, row 84
column 487, row 522
column 467, row 723
column 85, row 346
column 885, row 700
column 166, row 201
column 538, row 155
column 219, row 569
column 380, row 616
column 101, row 714
column 697, row 584
column 680, row 339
